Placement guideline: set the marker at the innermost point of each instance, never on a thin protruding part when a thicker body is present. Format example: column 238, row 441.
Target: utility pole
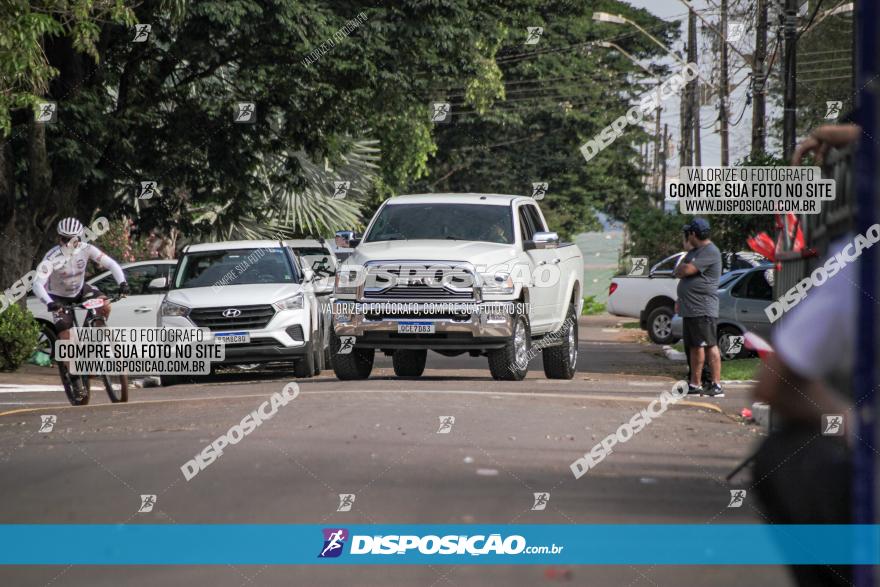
column 789, row 130
column 722, row 92
column 685, row 151
column 663, row 164
column 656, row 166
column 759, row 81
column 693, row 87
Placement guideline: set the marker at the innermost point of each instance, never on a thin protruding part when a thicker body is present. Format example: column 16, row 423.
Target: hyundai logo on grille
column 231, row 313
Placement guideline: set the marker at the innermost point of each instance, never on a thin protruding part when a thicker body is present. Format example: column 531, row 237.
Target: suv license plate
column 415, row 328
column 232, row 337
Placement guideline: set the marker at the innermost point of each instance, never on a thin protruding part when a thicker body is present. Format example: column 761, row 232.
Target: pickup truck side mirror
column 159, row 283
column 542, row 240
column 347, row 239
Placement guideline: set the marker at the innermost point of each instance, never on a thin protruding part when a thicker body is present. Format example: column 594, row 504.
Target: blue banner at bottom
column 529, row 544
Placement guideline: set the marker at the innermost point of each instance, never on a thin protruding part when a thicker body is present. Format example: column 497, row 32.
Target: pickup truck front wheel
column 560, row 361
column 409, row 363
column 358, row 364
column 660, row 325
column 511, row 363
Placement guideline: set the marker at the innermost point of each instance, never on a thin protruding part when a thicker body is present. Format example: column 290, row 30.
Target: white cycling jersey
column 63, row 273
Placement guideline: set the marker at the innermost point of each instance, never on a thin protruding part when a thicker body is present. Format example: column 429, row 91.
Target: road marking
column 487, row 472
column 29, row 388
column 500, row 394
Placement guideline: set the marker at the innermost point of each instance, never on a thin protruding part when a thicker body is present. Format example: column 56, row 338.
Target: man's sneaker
column 714, row 390
column 694, row 389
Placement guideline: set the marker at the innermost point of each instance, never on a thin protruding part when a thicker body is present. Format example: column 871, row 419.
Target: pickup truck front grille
column 419, row 282
column 243, row 317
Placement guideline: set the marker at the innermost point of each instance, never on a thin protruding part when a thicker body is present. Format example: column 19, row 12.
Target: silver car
column 742, row 297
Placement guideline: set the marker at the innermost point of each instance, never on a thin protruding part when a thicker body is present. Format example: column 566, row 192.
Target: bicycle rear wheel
column 117, row 387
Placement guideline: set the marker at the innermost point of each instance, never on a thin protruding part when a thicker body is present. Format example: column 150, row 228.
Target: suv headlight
column 497, row 284
column 294, row 302
column 171, row 309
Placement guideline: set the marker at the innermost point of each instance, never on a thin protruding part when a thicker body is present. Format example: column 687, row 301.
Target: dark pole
column 656, row 166
column 759, row 77
column 663, row 162
column 694, row 88
column 722, row 93
column 789, row 130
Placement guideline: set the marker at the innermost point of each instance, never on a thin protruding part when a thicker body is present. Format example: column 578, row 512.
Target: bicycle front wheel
column 117, row 387
column 67, row 380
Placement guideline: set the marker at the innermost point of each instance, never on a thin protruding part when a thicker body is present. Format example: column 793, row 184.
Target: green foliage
column 654, row 234
column 119, row 243
column 19, row 333
column 558, row 94
column 592, row 306
column 25, row 71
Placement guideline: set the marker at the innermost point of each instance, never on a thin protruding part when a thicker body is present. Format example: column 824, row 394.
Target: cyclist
column 63, row 281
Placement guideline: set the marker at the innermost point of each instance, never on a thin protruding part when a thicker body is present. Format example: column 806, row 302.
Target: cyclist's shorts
column 64, row 318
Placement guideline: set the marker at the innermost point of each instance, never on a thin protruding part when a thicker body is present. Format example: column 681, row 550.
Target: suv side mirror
column 347, row 239
column 159, row 283
column 542, row 240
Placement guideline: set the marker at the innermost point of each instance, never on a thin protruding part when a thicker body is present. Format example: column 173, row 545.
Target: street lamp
column 617, row 19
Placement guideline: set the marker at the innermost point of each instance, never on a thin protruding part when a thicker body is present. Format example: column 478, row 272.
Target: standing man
column 698, row 275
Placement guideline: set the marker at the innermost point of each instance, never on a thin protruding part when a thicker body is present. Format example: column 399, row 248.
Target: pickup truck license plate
column 415, row 328
column 232, row 337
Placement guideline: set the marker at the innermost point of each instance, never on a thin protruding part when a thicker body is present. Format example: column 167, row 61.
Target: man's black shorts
column 699, row 331
column 64, row 318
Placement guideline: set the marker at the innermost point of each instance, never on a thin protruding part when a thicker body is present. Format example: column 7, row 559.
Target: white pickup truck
column 458, row 273
column 649, row 298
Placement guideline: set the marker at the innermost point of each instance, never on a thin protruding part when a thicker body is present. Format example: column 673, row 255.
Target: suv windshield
column 234, row 267
column 466, row 222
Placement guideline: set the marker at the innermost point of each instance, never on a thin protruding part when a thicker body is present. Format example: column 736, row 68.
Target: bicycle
column 115, row 385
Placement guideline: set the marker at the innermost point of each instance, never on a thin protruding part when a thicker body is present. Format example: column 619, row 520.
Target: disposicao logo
column 334, row 541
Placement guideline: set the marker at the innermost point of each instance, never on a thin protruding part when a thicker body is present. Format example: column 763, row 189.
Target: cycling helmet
column 69, row 227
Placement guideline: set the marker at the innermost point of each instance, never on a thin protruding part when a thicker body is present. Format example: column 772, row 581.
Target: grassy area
column 592, row 306
column 740, row 369
column 632, row 325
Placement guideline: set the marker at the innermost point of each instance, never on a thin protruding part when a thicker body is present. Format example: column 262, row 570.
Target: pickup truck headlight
column 171, row 309
column 346, row 282
column 497, row 284
column 294, row 302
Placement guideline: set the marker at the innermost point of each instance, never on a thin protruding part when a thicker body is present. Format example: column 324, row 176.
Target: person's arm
column 685, row 270
column 44, row 271
column 821, row 139
column 105, row 261
column 39, row 288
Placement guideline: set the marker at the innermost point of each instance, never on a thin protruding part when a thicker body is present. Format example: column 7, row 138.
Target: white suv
column 253, row 296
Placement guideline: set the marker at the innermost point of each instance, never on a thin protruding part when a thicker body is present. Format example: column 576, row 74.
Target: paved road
column 378, row 439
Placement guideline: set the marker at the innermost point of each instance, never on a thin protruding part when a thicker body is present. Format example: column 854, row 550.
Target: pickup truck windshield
column 466, row 222
column 234, row 267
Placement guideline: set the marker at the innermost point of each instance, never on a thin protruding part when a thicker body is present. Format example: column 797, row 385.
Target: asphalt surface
column 378, row 440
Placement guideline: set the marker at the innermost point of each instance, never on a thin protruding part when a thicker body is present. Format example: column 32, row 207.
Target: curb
column 672, row 354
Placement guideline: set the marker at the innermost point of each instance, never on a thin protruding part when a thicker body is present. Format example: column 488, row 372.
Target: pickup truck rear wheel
column 511, row 363
column 409, row 363
column 660, row 325
column 358, row 364
column 560, row 361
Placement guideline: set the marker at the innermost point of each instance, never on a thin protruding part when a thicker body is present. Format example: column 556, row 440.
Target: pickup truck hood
column 478, row 253
column 233, row 295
